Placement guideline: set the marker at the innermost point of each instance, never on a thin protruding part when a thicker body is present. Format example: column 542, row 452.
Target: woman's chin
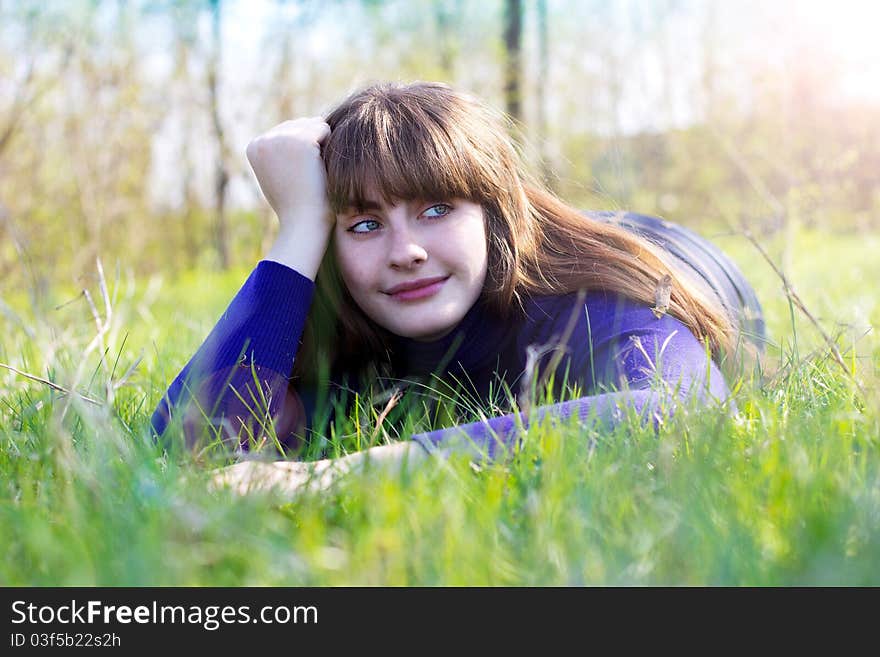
column 426, row 325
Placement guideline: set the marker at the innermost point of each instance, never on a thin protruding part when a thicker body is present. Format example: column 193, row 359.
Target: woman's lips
column 419, row 292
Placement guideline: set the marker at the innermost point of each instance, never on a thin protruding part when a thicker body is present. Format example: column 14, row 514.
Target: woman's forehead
column 395, row 180
column 373, row 197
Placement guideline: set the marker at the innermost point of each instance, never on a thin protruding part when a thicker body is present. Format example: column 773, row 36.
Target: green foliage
column 785, row 492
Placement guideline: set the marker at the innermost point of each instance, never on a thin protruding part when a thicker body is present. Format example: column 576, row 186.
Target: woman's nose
column 405, row 251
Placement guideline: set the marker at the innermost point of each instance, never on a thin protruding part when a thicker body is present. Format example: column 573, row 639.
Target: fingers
column 249, row 477
column 311, row 129
column 289, row 168
column 284, row 477
column 284, row 137
column 323, row 129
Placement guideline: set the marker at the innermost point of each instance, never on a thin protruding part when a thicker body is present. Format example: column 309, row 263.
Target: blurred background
column 123, row 124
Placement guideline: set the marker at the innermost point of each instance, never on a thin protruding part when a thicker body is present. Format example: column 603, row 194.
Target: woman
column 432, row 254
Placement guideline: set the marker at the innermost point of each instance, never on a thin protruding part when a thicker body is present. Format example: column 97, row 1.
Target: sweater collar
column 474, row 342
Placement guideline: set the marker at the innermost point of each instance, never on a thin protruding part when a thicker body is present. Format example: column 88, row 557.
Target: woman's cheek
column 344, row 273
column 356, row 267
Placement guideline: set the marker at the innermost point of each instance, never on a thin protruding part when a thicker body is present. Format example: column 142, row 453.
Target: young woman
column 433, row 255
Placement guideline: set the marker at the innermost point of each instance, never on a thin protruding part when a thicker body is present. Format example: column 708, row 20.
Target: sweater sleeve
column 617, row 350
column 238, row 381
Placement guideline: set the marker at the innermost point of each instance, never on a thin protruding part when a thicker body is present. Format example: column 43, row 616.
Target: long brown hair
column 425, row 140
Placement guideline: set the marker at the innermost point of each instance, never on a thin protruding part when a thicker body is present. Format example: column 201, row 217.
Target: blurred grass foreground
column 128, row 220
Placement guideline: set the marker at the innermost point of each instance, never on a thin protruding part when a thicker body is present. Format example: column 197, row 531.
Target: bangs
column 402, row 151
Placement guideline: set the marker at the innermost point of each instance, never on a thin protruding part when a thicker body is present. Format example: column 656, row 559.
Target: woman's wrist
column 300, row 247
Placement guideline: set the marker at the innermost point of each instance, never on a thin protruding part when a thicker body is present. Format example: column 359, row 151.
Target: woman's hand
column 288, row 165
column 284, row 477
column 289, row 477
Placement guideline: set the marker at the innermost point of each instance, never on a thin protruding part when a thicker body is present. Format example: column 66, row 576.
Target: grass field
column 787, row 492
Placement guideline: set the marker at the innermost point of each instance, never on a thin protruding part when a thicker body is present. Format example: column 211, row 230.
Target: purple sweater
column 618, row 352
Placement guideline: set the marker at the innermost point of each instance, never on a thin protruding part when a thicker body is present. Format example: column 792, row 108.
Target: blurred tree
column 542, row 94
column 28, row 76
column 184, row 21
column 447, row 19
column 107, row 121
column 221, row 167
column 283, row 87
column 709, row 55
column 513, row 58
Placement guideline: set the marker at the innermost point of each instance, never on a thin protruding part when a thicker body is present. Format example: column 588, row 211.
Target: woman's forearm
column 238, row 380
column 498, row 436
column 300, row 245
column 490, row 440
column 288, row 477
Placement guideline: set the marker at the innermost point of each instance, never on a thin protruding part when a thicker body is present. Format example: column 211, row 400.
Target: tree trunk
column 182, row 84
column 547, row 173
column 221, row 173
column 709, row 71
column 446, row 15
column 283, row 81
column 513, row 58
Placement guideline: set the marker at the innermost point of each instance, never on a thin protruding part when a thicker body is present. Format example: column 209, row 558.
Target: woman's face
column 416, row 267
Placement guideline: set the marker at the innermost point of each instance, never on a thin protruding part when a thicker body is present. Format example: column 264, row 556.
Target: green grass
column 785, row 493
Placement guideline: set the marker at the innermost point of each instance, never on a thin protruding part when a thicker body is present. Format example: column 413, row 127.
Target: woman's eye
column 366, row 226
column 439, row 210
